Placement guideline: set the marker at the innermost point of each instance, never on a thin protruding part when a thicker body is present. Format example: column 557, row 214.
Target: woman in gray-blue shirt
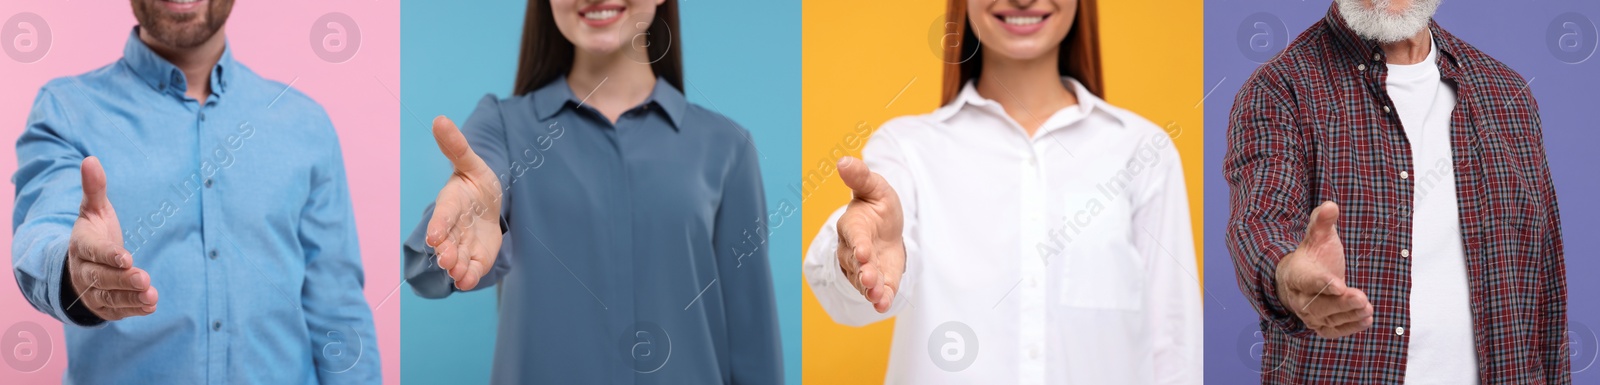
column 625, row 227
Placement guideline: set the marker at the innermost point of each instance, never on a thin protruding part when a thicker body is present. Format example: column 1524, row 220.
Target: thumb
column 94, row 186
column 866, row 184
column 1322, row 224
column 455, row 147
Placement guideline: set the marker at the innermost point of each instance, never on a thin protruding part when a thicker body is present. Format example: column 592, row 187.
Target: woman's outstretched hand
column 465, row 229
column 871, row 251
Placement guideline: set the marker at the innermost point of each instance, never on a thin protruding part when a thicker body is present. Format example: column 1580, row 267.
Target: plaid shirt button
column 1399, row 330
column 1385, row 109
column 1405, row 253
column 1361, row 67
column 1404, row 175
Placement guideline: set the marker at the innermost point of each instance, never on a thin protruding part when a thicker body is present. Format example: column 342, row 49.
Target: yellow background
column 865, row 62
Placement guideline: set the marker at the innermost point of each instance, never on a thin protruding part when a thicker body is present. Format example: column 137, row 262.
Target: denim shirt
column 236, row 207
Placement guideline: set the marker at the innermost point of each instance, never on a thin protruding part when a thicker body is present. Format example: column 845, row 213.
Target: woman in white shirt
column 1026, row 232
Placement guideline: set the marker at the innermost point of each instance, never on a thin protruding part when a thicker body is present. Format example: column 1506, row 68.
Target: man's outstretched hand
column 100, row 269
column 871, row 251
column 1311, row 280
column 465, row 229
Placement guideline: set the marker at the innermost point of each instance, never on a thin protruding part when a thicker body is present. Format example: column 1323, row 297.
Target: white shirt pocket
column 1102, row 269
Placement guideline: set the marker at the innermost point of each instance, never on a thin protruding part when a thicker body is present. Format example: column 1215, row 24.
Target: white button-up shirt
column 1065, row 258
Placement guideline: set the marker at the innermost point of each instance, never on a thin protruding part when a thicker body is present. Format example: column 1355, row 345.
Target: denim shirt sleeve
column 755, row 350
column 337, row 315
column 49, row 190
column 485, row 132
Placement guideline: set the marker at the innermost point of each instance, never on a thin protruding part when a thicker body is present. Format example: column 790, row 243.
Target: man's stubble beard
column 179, row 30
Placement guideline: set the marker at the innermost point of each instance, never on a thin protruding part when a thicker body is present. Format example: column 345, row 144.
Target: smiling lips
column 1021, row 22
column 601, row 15
column 182, row 5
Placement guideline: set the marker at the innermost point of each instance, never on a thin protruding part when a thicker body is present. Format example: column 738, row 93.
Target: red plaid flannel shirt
column 1314, row 125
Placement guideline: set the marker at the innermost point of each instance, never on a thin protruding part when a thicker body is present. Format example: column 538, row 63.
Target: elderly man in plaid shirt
column 1392, row 214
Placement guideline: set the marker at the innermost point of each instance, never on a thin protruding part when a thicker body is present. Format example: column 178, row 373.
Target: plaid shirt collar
column 1453, row 64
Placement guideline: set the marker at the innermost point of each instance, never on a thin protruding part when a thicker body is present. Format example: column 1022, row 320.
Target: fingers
column 442, row 229
column 1324, row 312
column 450, row 227
column 884, row 283
column 440, row 224
column 1321, row 226
column 871, row 276
column 461, row 246
column 848, row 265
column 455, row 147
column 118, row 313
column 110, row 278
column 140, row 299
column 1346, row 329
column 856, row 235
column 447, row 255
column 858, row 241
column 473, row 272
column 102, row 253
column 1348, row 316
column 94, row 187
column 881, row 297
column 866, row 184
column 1335, row 299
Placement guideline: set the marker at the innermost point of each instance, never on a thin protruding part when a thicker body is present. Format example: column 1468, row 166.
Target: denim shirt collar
column 161, row 74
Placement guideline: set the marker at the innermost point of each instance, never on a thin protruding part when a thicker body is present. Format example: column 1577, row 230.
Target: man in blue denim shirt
column 230, row 199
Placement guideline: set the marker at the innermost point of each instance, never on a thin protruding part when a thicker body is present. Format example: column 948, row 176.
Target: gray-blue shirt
column 635, row 252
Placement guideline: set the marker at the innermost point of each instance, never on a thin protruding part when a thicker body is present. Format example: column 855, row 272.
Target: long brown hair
column 1080, row 51
column 547, row 55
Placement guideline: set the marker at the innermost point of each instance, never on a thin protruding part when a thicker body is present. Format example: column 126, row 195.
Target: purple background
column 1526, row 35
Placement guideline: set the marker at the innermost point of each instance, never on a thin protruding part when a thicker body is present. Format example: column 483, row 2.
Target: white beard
column 1377, row 23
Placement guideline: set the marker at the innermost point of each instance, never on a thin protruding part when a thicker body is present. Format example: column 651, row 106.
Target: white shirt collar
column 1087, row 103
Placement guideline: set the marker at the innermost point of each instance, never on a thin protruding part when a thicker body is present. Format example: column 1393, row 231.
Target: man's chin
column 181, row 35
column 1382, row 25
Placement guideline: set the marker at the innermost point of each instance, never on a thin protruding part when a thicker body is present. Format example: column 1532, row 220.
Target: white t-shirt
column 1441, row 349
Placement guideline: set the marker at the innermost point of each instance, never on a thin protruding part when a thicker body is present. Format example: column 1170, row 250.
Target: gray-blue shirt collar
column 555, row 96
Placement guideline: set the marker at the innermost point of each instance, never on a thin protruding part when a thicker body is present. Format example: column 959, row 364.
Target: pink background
column 273, row 38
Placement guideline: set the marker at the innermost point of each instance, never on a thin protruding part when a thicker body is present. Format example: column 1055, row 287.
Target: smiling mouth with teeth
column 1023, row 20
column 601, row 15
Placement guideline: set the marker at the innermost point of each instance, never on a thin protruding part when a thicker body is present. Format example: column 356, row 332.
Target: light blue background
column 741, row 59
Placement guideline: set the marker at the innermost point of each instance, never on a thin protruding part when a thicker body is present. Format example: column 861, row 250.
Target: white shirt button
column 1400, row 330
column 1033, row 352
column 1405, row 253
column 1404, row 175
